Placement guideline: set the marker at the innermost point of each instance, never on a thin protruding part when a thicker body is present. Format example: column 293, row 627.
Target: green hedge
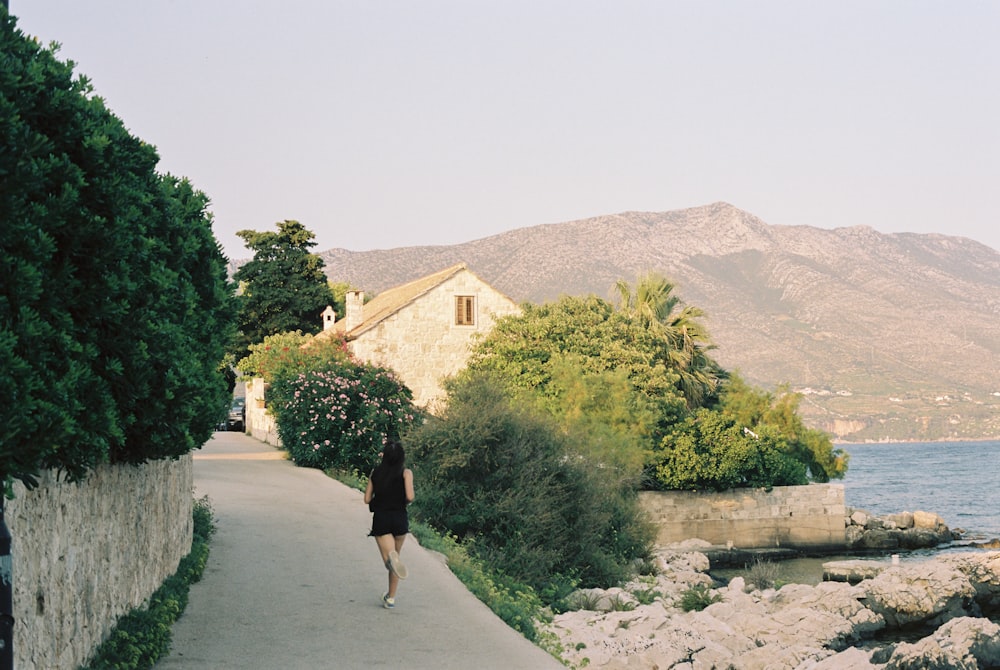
column 115, row 308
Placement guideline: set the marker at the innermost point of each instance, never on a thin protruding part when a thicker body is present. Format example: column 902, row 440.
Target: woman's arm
column 369, row 491
column 408, row 485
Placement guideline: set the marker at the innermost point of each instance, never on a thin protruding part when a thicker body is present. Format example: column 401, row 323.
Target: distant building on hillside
column 421, row 330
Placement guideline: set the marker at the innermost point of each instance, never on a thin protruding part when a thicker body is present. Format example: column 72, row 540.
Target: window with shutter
column 465, row 310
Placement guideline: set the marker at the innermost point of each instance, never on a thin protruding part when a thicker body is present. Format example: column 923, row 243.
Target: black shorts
column 392, row 522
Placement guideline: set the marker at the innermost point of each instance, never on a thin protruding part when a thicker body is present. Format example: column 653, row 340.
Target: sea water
column 959, row 481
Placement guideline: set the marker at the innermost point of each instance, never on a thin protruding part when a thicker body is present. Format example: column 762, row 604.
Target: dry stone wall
column 86, row 553
column 801, row 517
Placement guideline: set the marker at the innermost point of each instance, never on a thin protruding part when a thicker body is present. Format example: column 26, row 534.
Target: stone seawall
column 799, row 517
column 86, row 553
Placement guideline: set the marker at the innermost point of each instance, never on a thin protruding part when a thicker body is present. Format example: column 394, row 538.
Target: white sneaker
column 397, row 566
column 388, row 602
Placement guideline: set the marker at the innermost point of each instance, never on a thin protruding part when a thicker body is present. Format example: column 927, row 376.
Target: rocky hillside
column 887, row 336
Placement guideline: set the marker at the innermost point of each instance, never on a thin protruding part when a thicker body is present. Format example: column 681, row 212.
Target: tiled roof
column 389, row 302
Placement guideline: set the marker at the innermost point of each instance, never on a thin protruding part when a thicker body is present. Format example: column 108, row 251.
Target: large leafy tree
column 640, row 378
column 282, row 289
column 114, row 303
column 679, row 330
column 589, row 333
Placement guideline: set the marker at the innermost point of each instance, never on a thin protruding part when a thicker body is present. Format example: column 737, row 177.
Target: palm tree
column 687, row 342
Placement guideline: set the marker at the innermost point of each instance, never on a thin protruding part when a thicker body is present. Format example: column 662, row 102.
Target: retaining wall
column 86, row 553
column 800, row 517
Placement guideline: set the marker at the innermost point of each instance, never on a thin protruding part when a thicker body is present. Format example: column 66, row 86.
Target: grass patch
column 646, row 596
column 697, row 598
column 142, row 636
column 517, row 604
column 351, row 478
column 762, row 574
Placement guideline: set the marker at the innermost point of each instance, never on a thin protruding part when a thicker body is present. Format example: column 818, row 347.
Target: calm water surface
column 960, row 481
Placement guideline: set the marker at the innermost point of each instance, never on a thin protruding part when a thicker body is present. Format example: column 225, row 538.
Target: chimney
column 355, row 309
column 329, row 318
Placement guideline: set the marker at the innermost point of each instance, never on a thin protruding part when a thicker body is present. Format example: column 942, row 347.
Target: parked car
column 237, row 417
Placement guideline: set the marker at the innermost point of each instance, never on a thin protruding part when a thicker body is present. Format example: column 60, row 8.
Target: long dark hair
column 392, row 465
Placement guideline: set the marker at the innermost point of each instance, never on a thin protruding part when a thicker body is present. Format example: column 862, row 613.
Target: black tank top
column 390, row 496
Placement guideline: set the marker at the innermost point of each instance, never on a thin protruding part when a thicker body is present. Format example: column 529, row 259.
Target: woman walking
column 390, row 490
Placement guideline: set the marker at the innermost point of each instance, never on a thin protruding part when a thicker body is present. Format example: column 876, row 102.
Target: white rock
column 927, row 520
column 927, row 592
column 961, row 643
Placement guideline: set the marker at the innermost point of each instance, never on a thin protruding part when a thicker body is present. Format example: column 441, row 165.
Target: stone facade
column 798, row 517
column 422, row 330
column 86, row 553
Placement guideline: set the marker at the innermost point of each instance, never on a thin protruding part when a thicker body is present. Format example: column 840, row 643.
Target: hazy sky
column 381, row 124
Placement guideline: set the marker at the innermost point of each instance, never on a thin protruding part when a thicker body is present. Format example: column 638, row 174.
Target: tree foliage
column 640, row 377
column 710, row 450
column 114, row 304
column 287, row 354
column 522, row 349
column 282, row 289
column 757, row 409
column 678, row 329
column 520, row 493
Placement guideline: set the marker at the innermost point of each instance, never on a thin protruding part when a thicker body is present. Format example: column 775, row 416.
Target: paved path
column 293, row 581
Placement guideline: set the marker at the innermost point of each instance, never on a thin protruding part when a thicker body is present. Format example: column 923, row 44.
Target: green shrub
column 142, row 636
column 340, row 414
column 711, row 450
column 697, row 598
column 646, row 596
column 511, row 487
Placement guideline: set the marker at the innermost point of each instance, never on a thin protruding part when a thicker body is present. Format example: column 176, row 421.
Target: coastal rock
column 852, row 571
column 905, row 530
column 930, row 592
column 851, row 658
column 927, row 520
column 961, row 643
column 798, row 627
column 903, row 520
column 983, row 572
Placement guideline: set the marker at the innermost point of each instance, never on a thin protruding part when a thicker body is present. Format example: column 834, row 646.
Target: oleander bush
column 340, row 414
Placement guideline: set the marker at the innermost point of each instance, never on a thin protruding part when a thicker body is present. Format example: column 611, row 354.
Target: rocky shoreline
column 929, row 614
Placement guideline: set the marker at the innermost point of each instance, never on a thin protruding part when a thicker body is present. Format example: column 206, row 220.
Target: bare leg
column 387, row 543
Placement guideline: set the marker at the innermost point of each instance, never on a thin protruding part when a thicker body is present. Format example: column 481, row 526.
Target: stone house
column 421, row 330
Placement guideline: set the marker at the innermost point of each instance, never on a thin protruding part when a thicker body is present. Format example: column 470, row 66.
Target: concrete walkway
column 293, row 581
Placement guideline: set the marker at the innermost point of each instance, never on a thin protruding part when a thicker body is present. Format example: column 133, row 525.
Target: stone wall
column 260, row 423
column 86, row 553
column 423, row 344
column 800, row 517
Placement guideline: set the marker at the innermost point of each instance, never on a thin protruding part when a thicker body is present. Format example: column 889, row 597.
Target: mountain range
column 886, row 336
